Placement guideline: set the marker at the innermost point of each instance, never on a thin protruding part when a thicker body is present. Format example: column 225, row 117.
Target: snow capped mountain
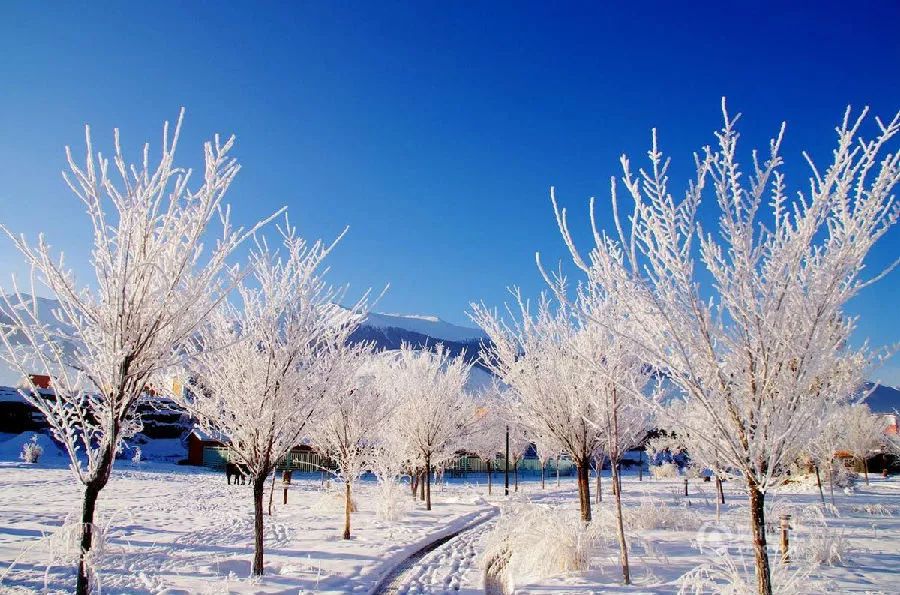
column 388, row 331
column 430, row 326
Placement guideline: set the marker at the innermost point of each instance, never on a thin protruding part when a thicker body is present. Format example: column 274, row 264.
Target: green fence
column 471, row 464
column 303, row 461
column 309, row 461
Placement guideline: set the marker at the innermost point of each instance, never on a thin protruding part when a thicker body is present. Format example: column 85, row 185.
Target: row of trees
column 744, row 328
column 260, row 348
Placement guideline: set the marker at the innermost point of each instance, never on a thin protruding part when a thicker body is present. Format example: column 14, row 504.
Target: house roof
column 9, row 394
column 201, row 435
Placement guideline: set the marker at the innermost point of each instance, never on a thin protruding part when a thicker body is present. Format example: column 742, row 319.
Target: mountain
column 387, row 331
column 884, row 398
column 429, row 326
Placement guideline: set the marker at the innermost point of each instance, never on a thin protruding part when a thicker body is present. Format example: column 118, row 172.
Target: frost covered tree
column 862, row 433
column 435, row 412
column 389, row 461
column 762, row 348
column 519, row 443
column 355, row 412
column 486, row 437
column 545, row 453
column 620, row 407
column 551, row 388
column 270, row 357
column 157, row 271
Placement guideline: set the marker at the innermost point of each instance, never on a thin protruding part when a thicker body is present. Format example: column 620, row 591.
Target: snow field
column 172, row 530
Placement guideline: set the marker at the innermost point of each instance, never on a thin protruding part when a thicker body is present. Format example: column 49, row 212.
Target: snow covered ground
column 174, row 529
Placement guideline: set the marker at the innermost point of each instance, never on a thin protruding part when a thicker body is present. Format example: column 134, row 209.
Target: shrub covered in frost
column 31, row 451
column 652, row 514
column 393, row 500
column 727, row 573
column 540, row 541
column 817, row 542
column 664, row 471
column 331, row 502
column 137, row 456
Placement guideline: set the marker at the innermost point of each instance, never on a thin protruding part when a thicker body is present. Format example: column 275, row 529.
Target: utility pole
column 506, row 474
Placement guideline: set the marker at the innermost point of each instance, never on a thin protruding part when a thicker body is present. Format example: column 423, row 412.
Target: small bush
column 136, row 457
column 653, row 514
column 541, row 542
column 875, row 509
column 331, row 502
column 393, row 500
column 724, row 573
column 31, row 451
column 817, row 542
column 664, row 471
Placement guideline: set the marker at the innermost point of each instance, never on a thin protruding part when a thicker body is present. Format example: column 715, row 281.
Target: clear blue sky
column 433, row 129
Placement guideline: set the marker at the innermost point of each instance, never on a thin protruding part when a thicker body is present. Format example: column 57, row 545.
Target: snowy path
column 447, row 565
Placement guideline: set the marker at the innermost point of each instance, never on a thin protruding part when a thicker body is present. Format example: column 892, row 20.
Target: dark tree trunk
column 865, row 466
column 557, row 470
column 758, row 527
column 489, row 477
column 516, row 472
column 428, row 482
column 89, row 506
column 543, row 470
column 720, row 490
column 584, row 489
column 259, row 488
column 414, row 484
column 831, row 480
column 423, row 476
column 623, row 546
column 271, row 492
column 91, row 492
column 819, row 483
column 347, row 505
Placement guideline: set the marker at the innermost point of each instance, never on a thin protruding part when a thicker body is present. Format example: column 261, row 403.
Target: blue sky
column 433, row 129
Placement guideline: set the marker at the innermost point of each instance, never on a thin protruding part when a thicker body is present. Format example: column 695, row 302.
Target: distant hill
column 387, row 331
column 884, row 399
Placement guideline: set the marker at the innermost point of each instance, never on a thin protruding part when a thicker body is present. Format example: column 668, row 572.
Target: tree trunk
column 831, row 481
column 89, row 506
column 758, row 527
column 865, row 466
column 428, row 482
column 584, row 489
column 516, row 472
column 819, row 483
column 489, row 477
column 543, row 469
column 623, row 546
column 259, row 488
column 272, row 492
column 91, row 491
column 640, row 465
column 557, row 470
column 422, row 478
column 599, row 497
column 347, row 506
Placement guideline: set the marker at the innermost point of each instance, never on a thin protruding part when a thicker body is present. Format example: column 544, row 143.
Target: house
column 18, row 415
column 197, row 443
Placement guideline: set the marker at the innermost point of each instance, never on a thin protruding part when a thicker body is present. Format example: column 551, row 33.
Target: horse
column 238, row 471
